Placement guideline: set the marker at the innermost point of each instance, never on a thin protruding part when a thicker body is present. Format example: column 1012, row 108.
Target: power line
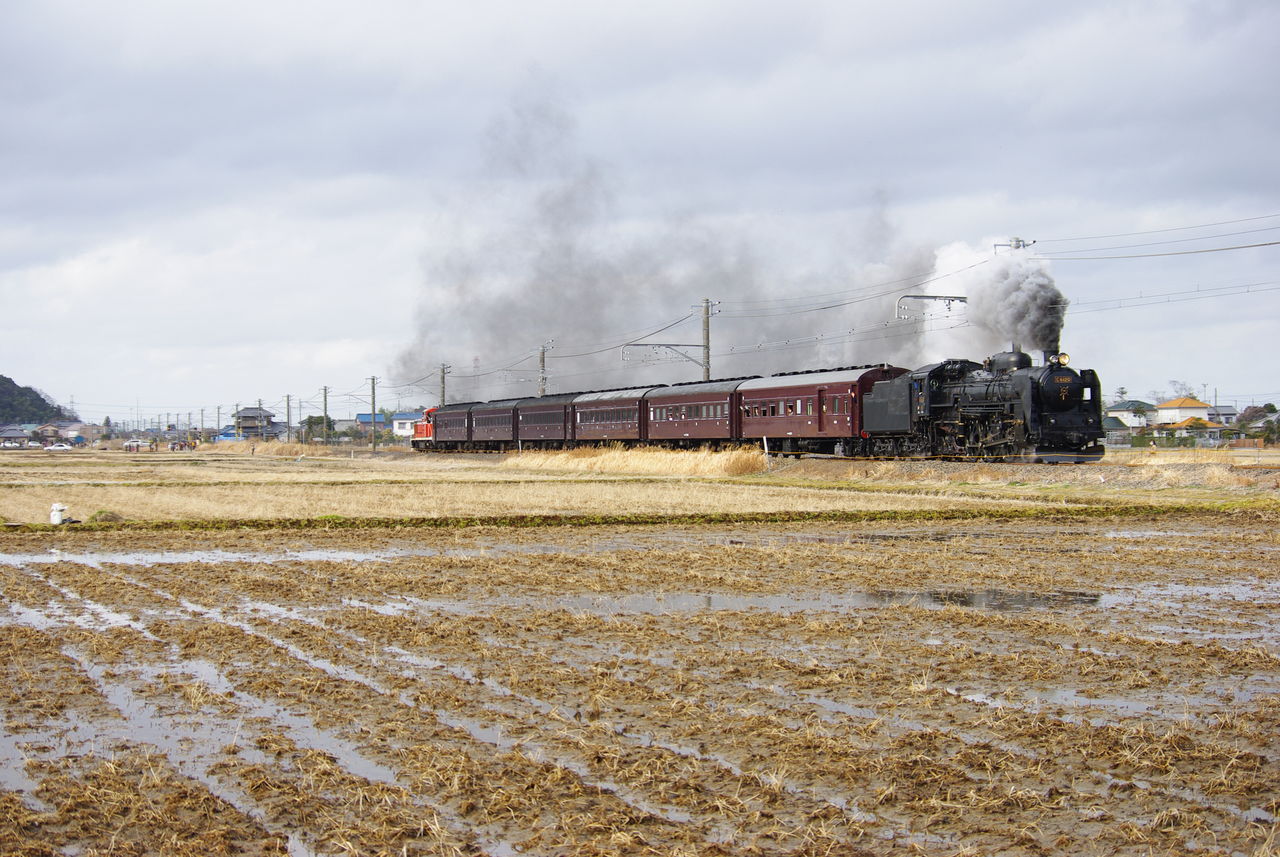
column 1180, row 296
column 1152, row 255
column 816, row 308
column 1173, row 241
column 1158, row 231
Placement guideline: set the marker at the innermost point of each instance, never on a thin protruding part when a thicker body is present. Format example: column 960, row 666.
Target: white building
column 1131, row 412
column 1185, row 408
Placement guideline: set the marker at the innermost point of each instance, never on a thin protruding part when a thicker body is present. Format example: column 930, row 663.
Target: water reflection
column 1003, row 600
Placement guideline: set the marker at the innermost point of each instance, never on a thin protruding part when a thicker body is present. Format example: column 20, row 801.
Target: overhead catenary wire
column 1158, row 231
column 1170, row 241
column 916, row 283
column 1153, row 255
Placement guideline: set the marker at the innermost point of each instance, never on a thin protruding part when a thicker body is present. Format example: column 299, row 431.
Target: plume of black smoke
column 538, row 250
column 1012, row 298
column 1017, row 300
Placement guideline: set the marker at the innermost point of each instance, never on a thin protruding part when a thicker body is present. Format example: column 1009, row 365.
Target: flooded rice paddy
column 976, row 687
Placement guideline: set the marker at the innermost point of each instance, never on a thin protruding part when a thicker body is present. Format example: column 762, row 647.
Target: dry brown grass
column 1141, row 457
column 646, row 461
column 294, row 500
column 292, row 450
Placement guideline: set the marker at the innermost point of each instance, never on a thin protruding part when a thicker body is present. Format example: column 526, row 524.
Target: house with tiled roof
column 1225, row 414
column 1132, row 412
column 1118, row 433
column 1182, row 408
column 1197, row 428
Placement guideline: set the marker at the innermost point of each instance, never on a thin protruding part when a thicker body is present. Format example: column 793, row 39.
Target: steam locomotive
column 1004, row 408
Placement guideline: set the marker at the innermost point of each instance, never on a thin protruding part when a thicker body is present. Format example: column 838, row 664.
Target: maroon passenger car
column 546, row 421
column 687, row 413
column 809, row 411
column 493, row 424
column 611, row 415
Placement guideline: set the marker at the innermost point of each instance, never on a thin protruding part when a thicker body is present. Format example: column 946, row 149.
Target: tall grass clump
column 645, row 461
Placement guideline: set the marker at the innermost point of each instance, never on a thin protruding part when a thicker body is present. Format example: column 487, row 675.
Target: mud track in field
column 1022, row 688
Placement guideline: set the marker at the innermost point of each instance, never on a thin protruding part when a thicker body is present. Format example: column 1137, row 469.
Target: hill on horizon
column 27, row 404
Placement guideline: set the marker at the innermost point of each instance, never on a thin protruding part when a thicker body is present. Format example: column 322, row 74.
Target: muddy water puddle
column 1019, row 689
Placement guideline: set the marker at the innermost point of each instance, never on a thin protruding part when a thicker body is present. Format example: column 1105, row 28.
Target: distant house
column 364, row 421
column 1117, row 432
column 1225, row 414
column 402, row 422
column 1132, row 412
column 255, row 423
column 1183, row 408
column 1206, row 432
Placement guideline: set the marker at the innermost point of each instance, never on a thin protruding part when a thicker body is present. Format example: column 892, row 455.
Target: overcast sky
column 208, row 204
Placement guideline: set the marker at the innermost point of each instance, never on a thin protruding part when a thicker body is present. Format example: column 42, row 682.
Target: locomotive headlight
column 1063, row 359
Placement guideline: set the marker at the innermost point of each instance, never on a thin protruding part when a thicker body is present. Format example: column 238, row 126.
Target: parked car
column 58, row 447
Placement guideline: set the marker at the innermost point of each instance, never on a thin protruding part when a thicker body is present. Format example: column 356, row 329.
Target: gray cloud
column 313, row 174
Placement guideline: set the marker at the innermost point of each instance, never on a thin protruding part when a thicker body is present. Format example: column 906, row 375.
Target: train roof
column 557, row 399
column 458, row 406
column 498, row 404
column 612, row 395
column 724, row 385
column 807, row 379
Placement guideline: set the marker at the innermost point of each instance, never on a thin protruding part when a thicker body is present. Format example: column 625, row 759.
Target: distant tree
column 1181, row 389
column 315, row 426
column 107, row 433
column 1269, row 408
column 1121, row 394
column 1271, row 431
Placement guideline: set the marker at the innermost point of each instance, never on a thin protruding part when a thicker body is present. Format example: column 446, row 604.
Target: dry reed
column 647, row 461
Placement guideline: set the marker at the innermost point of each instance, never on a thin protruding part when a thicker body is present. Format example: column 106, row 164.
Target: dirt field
column 1081, row 681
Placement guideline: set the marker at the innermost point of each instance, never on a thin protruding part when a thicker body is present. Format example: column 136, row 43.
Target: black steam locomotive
column 1004, row 408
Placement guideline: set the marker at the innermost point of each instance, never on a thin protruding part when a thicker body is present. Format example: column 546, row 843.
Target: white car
column 58, row 447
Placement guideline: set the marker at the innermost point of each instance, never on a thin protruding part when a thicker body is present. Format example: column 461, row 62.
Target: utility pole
column 706, row 339
column 324, row 427
column 444, row 370
column 288, row 418
column 373, row 407
column 542, row 368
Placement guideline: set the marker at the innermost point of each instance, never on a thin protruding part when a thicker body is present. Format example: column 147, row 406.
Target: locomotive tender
column 1003, row 408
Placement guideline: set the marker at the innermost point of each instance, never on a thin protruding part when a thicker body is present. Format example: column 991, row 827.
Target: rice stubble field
column 922, row 658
